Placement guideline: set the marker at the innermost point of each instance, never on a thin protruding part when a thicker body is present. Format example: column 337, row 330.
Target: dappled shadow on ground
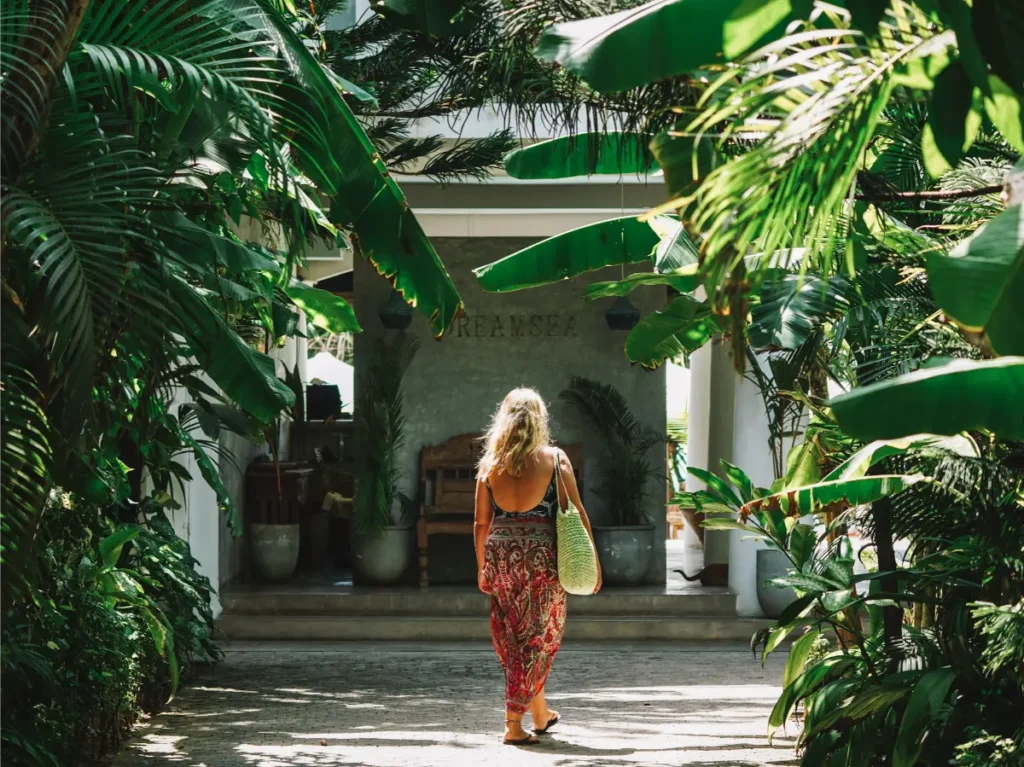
column 374, row 705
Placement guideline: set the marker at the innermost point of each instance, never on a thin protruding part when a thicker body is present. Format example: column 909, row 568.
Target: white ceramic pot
column 382, row 559
column 772, row 563
column 275, row 550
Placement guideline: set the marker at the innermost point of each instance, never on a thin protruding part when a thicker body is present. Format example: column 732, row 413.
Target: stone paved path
column 439, row 705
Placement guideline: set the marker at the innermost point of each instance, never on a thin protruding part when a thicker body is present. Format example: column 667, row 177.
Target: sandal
column 529, row 740
column 551, row 723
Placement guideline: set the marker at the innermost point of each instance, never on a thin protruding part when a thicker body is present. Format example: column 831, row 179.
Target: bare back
column 525, row 492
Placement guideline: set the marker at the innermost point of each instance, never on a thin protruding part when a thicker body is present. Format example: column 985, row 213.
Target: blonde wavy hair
column 518, row 430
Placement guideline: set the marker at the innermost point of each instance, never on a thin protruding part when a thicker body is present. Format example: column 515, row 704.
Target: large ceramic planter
column 381, row 560
column 275, row 550
column 772, row 563
column 625, row 553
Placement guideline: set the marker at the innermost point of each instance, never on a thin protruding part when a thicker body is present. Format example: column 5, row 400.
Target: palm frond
column 26, row 458
column 812, row 100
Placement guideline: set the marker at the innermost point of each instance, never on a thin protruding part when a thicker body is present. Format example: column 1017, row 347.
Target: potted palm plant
column 382, row 540
column 626, row 543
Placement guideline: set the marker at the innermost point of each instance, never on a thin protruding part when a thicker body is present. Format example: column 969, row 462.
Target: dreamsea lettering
column 516, row 326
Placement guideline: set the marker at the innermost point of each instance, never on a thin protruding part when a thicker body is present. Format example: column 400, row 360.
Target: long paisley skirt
column 527, row 604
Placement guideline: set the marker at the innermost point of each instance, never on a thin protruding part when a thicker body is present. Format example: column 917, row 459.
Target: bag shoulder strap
column 559, row 482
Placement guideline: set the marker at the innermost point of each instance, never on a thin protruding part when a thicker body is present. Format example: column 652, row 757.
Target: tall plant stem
column 891, row 619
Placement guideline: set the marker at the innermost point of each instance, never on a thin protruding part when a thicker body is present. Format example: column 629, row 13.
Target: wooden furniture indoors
column 448, row 490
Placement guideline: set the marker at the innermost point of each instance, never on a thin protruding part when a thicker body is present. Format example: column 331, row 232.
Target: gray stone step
column 238, row 627
column 464, row 602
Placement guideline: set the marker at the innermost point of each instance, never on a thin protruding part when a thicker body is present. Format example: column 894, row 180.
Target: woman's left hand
column 600, row 579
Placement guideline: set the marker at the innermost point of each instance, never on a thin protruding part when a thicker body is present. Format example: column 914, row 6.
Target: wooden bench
column 448, row 490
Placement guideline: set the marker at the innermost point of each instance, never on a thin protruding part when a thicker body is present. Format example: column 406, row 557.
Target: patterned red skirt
column 527, row 604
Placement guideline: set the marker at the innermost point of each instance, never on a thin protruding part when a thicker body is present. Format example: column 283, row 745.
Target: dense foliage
column 847, row 188
column 165, row 166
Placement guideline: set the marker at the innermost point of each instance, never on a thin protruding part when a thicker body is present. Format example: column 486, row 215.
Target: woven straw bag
column 577, row 560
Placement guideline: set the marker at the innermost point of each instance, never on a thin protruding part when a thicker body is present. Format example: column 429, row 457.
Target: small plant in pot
column 721, row 506
column 382, row 542
column 626, row 544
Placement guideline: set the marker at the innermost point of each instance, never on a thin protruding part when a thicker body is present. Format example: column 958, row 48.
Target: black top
column 546, row 509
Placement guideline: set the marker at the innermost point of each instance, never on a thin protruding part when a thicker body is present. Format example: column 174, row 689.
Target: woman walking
column 521, row 482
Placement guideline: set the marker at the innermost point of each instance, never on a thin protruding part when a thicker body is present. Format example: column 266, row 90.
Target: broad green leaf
column 113, row 544
column 676, row 253
column 607, row 243
column 791, row 308
column 586, row 154
column 802, row 541
column 944, row 139
column 802, row 466
column 926, row 700
column 684, row 325
column 998, row 26
column 857, row 465
column 960, row 396
column 346, row 86
column 1005, row 109
column 684, row 283
column 980, row 283
column 440, row 18
column 852, row 492
column 684, row 159
column 246, row 376
column 343, row 163
column 324, row 309
column 203, row 250
column 716, row 486
column 805, row 684
column 798, row 657
column 639, row 46
column 863, row 704
column 739, row 480
column 746, row 26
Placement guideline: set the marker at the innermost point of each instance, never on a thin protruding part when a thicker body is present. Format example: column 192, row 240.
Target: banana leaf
column 844, row 492
column 342, row 162
column 980, row 283
column 587, row 154
column 684, row 283
column 791, row 308
column 607, row 243
column 641, row 45
column 960, row 396
column 685, row 160
column 684, row 325
column 324, row 309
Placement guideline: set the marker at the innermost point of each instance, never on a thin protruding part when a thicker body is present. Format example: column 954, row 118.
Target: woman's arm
column 481, row 527
column 568, row 491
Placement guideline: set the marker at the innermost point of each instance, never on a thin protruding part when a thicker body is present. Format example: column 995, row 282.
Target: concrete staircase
column 339, row 613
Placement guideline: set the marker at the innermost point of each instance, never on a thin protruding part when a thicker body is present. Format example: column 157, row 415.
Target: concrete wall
column 454, row 385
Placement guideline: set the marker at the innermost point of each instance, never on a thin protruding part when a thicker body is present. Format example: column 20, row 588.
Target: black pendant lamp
column 396, row 314
column 622, row 315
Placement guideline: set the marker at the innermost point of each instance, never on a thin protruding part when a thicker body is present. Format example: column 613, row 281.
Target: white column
column 751, row 453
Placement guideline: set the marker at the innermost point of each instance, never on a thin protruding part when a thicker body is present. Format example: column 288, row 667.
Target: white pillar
column 709, row 432
column 751, row 453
